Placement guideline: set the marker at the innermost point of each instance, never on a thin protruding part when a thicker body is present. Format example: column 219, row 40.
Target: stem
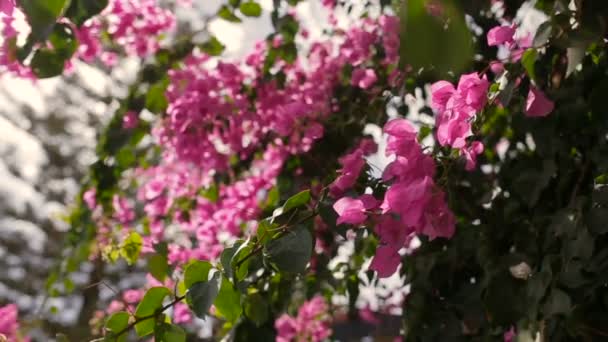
column 143, row 318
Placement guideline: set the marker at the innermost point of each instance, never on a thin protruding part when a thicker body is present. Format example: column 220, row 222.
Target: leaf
column 263, row 232
column 81, row 10
column 597, row 220
column 543, row 33
column 61, row 338
column 228, row 301
column 197, row 271
column 117, row 323
column 201, row 295
column 42, row 15
column 528, row 60
column 226, row 258
column 251, row 9
column 291, row 252
column 557, row 303
column 212, row 193
column 442, row 42
column 241, row 252
column 158, row 266
column 256, row 308
column 152, row 301
column 272, row 199
column 156, row 102
column 131, row 247
column 212, row 47
column 575, row 56
column 298, row 200
column 165, row 332
column 227, row 14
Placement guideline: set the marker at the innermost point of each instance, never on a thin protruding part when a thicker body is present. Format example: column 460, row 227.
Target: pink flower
column 500, row 35
column 352, row 211
column 363, row 78
column 474, row 90
column 130, row 120
column 441, row 92
column 181, row 314
column 510, row 335
column 537, row 104
column 7, row 7
column 9, row 325
column 89, row 198
column 408, row 200
column 470, row 153
column 385, row 261
column 352, row 164
column 286, row 328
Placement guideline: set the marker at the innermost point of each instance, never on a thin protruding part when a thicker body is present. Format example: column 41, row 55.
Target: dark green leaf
column 298, row 200
column 197, row 271
column 81, row 10
column 226, row 258
column 158, row 266
column 201, row 295
column 42, row 15
column 528, row 60
column 251, row 9
column 227, row 14
column 213, row 47
column 597, row 220
column 558, row 303
column 291, row 252
column 165, row 332
column 256, row 308
column 116, row 323
column 228, row 301
column 156, row 102
column 428, row 41
column 152, row 301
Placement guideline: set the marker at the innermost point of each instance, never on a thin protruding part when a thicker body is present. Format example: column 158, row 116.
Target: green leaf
column 228, row 301
column 227, row 14
column 272, row 199
column 251, row 9
column 42, row 15
column 558, row 303
column 298, row 200
column 256, row 308
column 263, row 233
column 81, row 10
column 152, row 301
column 131, row 247
column 212, row 193
column 117, row 323
column 158, row 266
column 156, row 102
column 201, row 295
column 165, row 332
column 212, row 47
column 597, row 220
column 291, row 252
column 242, row 270
column 61, row 338
column 226, row 258
column 528, row 60
column 197, row 271
column 442, row 42
column 543, row 33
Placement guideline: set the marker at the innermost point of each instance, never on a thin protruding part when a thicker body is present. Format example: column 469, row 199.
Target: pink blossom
column 181, row 314
column 441, row 92
column 311, row 323
column 385, row 261
column 470, row 153
column 537, row 104
column 352, row 210
column 474, row 90
column 501, row 35
column 9, row 325
column 286, row 328
column 7, row 7
column 510, row 335
column 130, row 120
column 123, row 210
column 363, row 78
column 89, row 198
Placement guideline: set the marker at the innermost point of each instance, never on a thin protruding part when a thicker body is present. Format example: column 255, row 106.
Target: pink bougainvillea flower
column 501, row 35
column 441, row 92
column 7, row 7
column 474, row 90
column 537, row 104
column 385, row 261
column 470, row 154
column 363, row 78
column 352, row 210
column 130, row 120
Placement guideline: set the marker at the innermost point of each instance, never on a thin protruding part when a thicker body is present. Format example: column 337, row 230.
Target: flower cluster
column 413, row 203
column 8, row 324
column 456, row 109
column 311, row 324
column 134, row 25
